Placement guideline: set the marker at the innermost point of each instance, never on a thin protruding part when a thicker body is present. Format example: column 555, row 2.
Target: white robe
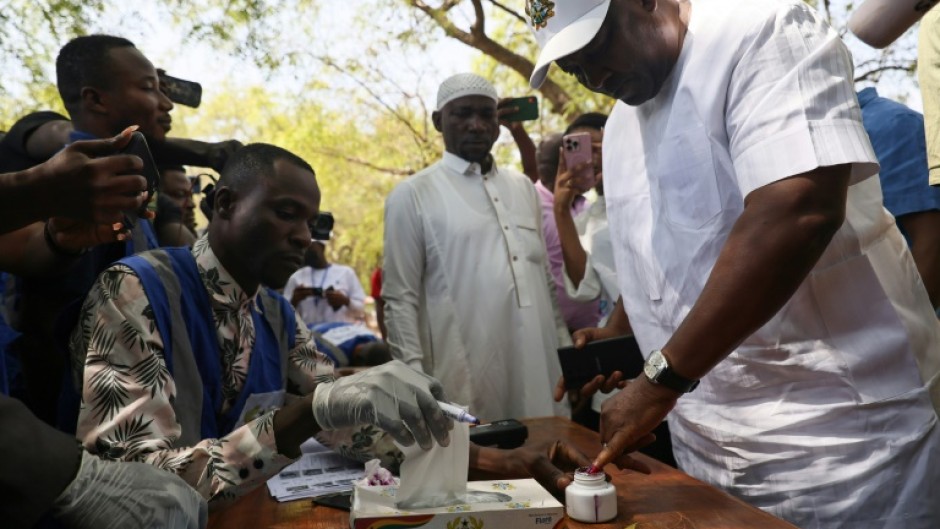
column 823, row 416
column 468, row 296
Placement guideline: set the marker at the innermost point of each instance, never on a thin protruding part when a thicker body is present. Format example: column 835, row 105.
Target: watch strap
column 668, row 377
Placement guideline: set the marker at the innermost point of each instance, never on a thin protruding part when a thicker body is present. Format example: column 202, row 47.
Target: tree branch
column 557, row 97
column 418, row 137
column 877, row 71
column 359, row 161
column 478, row 29
column 510, row 12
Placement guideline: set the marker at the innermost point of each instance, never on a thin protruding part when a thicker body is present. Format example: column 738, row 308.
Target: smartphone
column 577, row 150
column 603, row 357
column 188, row 93
column 506, row 433
column 138, row 147
column 340, row 500
column 528, row 108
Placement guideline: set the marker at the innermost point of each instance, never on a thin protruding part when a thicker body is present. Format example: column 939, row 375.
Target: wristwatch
column 657, row 370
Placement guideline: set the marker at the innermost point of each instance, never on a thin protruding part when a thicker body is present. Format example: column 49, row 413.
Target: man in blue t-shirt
column 897, row 135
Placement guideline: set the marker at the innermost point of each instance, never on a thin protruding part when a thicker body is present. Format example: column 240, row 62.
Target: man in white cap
column 468, row 298
column 755, row 259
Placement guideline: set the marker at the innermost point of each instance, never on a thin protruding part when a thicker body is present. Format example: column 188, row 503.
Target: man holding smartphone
column 106, row 85
column 783, row 319
column 468, row 296
column 325, row 292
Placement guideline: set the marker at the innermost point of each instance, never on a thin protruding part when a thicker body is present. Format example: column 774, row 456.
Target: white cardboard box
column 530, row 507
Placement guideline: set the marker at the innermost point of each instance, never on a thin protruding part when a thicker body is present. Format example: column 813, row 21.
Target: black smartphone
column 340, row 500
column 528, row 108
column 506, row 433
column 188, row 93
column 603, row 357
column 138, row 147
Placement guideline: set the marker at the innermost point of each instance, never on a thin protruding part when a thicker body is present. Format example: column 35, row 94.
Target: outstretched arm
column 784, row 229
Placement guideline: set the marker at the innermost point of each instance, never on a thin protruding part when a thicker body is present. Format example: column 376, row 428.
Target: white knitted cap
column 464, row 84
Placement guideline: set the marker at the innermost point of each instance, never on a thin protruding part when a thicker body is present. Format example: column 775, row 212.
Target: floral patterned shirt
column 126, row 389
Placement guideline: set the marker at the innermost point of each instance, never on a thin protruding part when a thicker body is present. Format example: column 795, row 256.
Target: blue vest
column 184, row 319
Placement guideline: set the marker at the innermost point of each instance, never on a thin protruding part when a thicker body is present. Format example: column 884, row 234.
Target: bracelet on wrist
column 56, row 249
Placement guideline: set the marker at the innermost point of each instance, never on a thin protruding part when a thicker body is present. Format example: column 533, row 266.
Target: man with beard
column 468, row 296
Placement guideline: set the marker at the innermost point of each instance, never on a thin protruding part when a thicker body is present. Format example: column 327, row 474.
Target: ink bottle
column 590, row 498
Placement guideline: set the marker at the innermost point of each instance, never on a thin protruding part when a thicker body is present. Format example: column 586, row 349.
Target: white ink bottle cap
column 590, row 498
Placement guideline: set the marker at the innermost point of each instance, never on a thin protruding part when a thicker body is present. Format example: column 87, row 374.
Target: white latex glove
column 120, row 495
column 393, row 397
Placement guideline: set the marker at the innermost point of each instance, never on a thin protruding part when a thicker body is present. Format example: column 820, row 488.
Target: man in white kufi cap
column 783, row 318
column 468, row 298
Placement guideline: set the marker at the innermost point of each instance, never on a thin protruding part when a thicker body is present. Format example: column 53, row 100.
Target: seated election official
column 155, row 327
column 45, row 474
column 179, row 345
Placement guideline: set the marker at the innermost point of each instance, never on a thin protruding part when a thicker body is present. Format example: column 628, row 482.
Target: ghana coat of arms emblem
column 540, row 11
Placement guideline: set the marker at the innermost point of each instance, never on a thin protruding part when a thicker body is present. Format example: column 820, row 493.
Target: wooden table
column 665, row 499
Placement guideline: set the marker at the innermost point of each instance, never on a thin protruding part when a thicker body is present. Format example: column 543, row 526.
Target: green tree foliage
column 352, row 98
column 357, row 160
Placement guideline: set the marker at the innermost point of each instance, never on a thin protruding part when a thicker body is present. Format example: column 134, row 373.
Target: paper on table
column 318, row 471
column 437, row 476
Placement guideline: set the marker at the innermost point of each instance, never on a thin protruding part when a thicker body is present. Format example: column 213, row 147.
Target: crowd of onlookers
column 723, row 217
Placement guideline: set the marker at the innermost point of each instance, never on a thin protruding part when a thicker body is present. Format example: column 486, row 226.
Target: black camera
column 318, row 292
column 322, row 227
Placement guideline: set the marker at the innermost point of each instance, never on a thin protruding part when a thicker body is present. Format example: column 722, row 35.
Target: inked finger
column 613, row 447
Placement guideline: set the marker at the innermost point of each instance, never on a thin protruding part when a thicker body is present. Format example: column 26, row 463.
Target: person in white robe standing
column 468, row 297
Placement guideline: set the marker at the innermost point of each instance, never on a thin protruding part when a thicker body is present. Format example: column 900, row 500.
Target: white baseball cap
column 561, row 28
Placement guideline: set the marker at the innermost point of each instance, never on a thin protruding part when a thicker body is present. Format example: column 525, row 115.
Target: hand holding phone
column 576, row 149
column 303, row 292
column 602, row 357
column 137, row 146
column 518, row 109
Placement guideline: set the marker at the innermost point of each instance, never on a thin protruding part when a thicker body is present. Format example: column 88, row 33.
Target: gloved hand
column 117, row 494
column 391, row 396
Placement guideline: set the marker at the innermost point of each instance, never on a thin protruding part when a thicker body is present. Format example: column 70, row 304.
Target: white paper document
column 319, row 471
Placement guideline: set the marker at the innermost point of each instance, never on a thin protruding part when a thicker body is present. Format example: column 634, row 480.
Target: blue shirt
column 897, row 135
